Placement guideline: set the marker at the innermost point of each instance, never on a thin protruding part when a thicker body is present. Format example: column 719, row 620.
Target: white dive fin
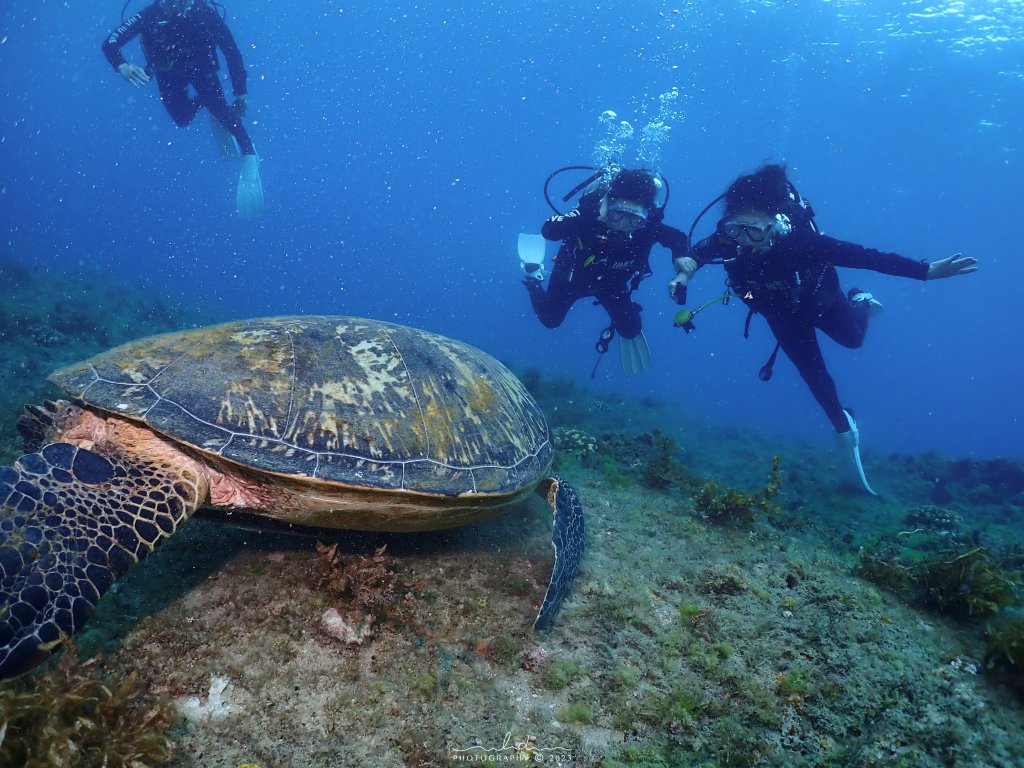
column 636, row 355
column 849, row 444
column 226, row 143
column 250, row 189
column 531, row 255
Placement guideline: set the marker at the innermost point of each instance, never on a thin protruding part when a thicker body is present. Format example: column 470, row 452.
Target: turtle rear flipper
column 71, row 522
column 568, row 535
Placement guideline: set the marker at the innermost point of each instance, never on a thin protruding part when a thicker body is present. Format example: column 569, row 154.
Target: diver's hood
column 177, row 7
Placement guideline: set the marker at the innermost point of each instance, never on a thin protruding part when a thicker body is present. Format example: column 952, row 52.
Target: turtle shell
column 343, row 400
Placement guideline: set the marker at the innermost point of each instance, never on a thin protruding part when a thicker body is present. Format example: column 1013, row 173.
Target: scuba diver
column 783, row 268
column 180, row 39
column 606, row 243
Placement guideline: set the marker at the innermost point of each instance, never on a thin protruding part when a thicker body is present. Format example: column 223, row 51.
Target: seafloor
column 730, row 611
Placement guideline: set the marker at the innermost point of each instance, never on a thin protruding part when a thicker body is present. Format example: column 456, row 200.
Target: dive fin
column 531, row 255
column 250, row 188
column 849, row 443
column 635, row 354
column 568, row 535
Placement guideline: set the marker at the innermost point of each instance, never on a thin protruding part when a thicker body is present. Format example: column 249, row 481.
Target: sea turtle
column 326, row 422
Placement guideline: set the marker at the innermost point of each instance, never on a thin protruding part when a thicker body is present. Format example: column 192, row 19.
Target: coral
column 730, row 507
column 574, row 441
column 934, row 518
column 73, row 715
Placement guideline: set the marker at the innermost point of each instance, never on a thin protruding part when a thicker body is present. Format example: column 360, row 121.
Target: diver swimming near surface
column 779, row 264
column 180, row 39
column 606, row 241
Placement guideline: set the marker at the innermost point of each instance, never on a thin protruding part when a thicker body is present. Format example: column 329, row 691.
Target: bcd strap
column 765, row 373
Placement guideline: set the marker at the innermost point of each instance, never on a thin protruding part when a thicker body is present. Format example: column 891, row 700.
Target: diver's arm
column 685, row 266
column 586, row 212
column 673, row 239
column 712, row 250
column 844, row 254
column 117, row 39
column 232, row 56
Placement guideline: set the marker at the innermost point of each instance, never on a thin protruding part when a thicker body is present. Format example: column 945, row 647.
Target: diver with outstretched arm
column 779, row 264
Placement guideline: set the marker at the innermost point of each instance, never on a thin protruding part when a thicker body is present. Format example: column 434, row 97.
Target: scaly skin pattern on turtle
column 325, row 422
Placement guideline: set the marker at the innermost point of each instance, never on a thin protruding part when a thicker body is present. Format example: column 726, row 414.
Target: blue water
column 405, row 145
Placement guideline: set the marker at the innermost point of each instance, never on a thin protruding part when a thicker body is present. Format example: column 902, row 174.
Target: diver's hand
column 135, row 75
column 589, row 208
column 240, row 105
column 957, row 264
column 677, row 289
column 685, row 267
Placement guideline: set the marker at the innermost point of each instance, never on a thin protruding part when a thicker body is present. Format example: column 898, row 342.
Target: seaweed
column 738, row 509
column 1004, row 653
column 367, row 586
column 938, row 570
column 968, row 584
column 661, row 470
column 72, row 714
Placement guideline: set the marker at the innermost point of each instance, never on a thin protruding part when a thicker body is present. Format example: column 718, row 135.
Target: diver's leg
column 846, row 322
column 211, row 96
column 174, row 94
column 551, row 306
column 800, row 343
column 624, row 313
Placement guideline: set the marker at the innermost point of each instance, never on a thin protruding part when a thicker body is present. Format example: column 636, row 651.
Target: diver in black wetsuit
column 606, row 244
column 786, row 271
column 180, row 39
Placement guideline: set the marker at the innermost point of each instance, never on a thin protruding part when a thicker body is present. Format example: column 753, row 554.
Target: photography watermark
column 511, row 752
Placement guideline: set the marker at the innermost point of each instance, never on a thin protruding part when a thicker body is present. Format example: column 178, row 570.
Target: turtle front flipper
column 568, row 535
column 71, row 522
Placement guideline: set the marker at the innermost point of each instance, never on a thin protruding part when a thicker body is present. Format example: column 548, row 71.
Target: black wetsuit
column 600, row 262
column 796, row 287
column 182, row 51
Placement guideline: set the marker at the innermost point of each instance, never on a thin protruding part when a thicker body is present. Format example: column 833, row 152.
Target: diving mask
column 779, row 225
column 626, row 213
column 733, row 230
